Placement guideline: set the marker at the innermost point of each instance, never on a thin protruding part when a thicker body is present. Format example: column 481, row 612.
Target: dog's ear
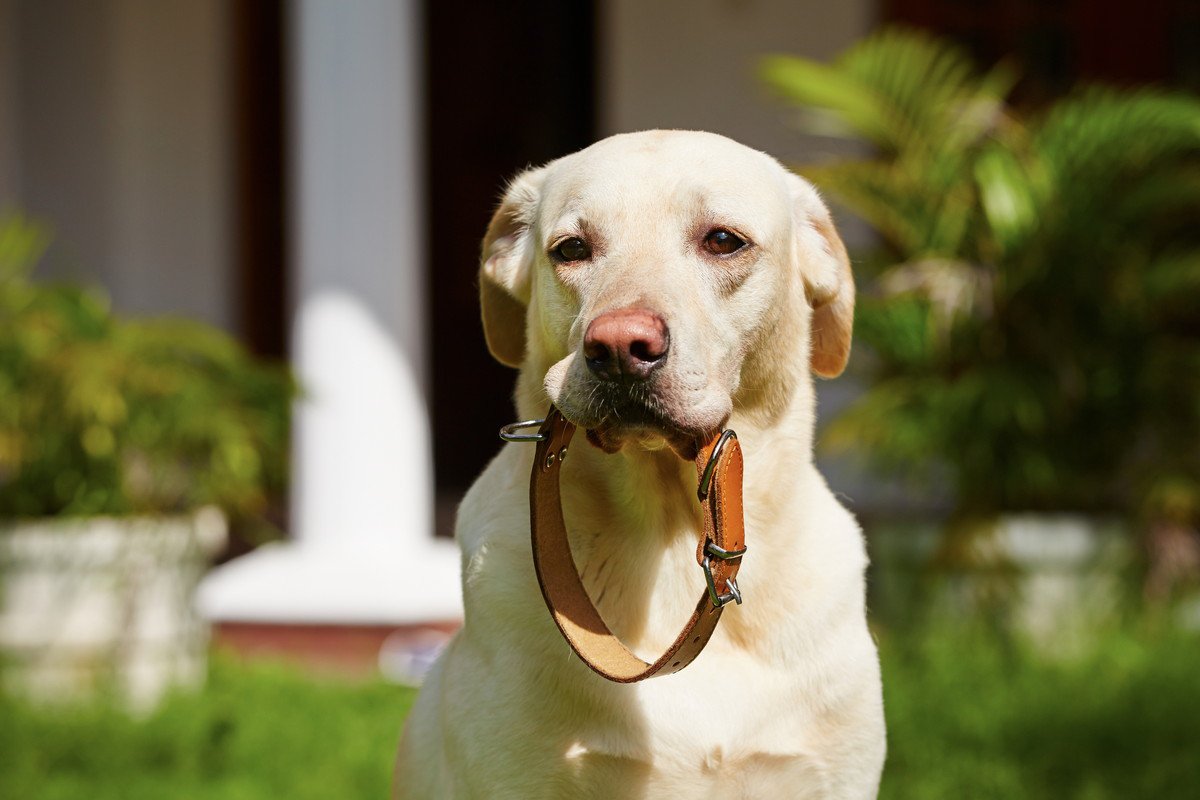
column 505, row 267
column 828, row 281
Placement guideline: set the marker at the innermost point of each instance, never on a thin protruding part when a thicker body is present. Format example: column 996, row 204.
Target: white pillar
column 362, row 489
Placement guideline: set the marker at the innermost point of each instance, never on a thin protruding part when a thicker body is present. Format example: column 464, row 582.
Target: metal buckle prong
column 711, row 550
column 713, row 457
column 721, row 553
column 509, row 432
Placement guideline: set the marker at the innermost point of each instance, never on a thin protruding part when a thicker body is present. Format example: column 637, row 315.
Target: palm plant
column 1032, row 316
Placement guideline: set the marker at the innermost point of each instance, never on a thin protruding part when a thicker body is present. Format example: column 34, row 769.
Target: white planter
column 1054, row 578
column 105, row 604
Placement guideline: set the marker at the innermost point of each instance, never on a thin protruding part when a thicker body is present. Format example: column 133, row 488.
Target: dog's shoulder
column 492, row 530
column 496, row 506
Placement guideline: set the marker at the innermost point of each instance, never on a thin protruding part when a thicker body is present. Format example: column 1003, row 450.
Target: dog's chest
column 729, row 770
column 700, row 731
column 716, row 774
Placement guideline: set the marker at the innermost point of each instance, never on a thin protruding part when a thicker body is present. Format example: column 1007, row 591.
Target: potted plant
column 1031, row 318
column 123, row 445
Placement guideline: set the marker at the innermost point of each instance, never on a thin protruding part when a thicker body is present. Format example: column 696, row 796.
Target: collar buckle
column 711, row 551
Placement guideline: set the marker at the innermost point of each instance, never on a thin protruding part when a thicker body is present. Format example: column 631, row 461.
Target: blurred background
column 243, row 384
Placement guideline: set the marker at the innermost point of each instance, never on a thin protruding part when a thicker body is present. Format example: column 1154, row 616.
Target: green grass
column 969, row 716
column 255, row 732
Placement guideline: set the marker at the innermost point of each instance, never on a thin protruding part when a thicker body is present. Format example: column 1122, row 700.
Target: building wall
column 691, row 64
column 114, row 121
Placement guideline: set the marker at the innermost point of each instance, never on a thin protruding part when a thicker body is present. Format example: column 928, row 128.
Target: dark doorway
column 1056, row 43
column 258, row 41
column 508, row 85
column 260, row 162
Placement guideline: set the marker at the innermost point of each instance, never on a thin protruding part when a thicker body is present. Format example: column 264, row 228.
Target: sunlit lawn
column 255, row 732
column 968, row 718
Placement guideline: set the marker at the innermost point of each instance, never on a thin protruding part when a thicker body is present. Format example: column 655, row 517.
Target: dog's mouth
column 616, row 416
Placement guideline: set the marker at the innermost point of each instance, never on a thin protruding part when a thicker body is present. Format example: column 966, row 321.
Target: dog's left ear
column 505, row 269
column 828, row 281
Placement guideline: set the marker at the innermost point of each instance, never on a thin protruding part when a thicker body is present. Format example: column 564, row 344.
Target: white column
column 362, row 491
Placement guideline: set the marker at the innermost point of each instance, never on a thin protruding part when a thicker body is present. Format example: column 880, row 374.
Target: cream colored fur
column 786, row 700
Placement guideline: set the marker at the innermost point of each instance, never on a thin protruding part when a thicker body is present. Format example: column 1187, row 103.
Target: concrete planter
column 1051, row 577
column 105, row 605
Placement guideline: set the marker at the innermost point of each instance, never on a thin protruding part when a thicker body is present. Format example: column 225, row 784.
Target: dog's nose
column 629, row 343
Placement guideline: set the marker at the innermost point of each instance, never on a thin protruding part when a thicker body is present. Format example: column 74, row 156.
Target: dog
column 657, row 287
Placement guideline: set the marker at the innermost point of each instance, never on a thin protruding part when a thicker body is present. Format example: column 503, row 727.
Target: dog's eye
column 721, row 242
column 573, row 249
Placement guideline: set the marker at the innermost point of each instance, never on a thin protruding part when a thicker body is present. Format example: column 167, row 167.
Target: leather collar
column 722, row 542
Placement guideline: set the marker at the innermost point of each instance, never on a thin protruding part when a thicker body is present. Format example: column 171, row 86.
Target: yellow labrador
column 656, row 287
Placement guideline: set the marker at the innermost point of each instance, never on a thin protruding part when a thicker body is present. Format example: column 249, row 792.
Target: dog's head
column 659, row 279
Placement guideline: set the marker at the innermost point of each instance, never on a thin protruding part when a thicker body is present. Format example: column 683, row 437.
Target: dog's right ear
column 505, row 269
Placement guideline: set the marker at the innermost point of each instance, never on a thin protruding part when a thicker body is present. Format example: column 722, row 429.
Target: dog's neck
column 634, row 520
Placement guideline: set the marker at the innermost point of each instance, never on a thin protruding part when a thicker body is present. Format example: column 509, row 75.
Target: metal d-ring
column 509, row 432
column 706, row 476
column 711, row 550
column 718, row 600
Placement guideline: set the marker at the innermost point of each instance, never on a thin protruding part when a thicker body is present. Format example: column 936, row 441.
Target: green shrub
column 104, row 415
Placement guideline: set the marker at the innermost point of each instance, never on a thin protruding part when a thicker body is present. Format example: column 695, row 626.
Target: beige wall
column 691, row 64
column 114, row 122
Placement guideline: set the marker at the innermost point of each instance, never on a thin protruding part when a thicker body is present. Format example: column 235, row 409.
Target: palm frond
column 816, row 85
column 1166, row 197
column 882, row 194
column 1101, row 134
column 898, row 89
column 1012, row 194
column 1174, row 275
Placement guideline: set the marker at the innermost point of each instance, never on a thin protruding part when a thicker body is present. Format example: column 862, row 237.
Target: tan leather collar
column 722, row 543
